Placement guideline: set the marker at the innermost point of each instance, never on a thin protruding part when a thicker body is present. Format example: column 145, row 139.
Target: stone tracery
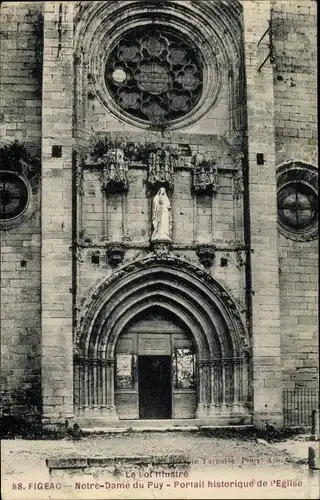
column 154, row 74
column 173, row 17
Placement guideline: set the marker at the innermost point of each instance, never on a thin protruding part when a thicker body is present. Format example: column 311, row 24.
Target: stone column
column 194, row 212
column 95, row 383
column 103, row 383
column 215, row 380
column 238, row 206
column 213, row 398
column 236, row 381
column 81, row 386
column 267, row 385
column 77, row 383
column 110, row 410
column 86, row 384
column 204, row 389
column 213, row 215
column 56, row 214
column 224, row 371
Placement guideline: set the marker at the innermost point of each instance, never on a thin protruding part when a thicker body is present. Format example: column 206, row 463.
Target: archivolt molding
column 297, row 164
column 200, row 301
column 215, row 27
column 226, row 13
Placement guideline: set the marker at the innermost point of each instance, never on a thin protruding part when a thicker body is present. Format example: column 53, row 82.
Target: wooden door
column 155, row 392
column 155, row 335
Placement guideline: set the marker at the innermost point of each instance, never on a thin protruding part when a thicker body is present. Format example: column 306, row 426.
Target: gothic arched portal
column 201, row 312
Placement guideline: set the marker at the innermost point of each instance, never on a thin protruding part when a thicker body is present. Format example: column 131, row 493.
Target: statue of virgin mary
column 161, row 217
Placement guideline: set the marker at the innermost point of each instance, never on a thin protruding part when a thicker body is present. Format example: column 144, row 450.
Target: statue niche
column 161, row 217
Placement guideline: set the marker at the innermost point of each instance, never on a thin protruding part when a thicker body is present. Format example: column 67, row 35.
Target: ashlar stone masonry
column 106, row 104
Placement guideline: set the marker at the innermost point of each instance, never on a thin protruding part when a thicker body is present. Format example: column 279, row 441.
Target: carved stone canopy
column 160, row 169
column 114, row 172
column 206, row 254
column 205, row 177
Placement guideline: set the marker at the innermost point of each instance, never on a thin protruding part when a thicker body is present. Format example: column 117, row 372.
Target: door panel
column 184, row 398
column 154, row 344
column 126, row 381
column 184, row 404
column 127, row 343
column 150, row 395
column 155, row 393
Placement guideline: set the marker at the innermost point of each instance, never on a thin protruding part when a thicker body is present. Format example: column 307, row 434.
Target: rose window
column 13, row 196
column 155, row 76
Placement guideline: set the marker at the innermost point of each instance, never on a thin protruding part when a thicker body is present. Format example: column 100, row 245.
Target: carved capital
column 115, row 253
column 203, row 362
column 160, row 169
column 206, row 254
column 237, row 361
column 110, row 362
column 114, row 171
column 215, row 362
column 205, row 177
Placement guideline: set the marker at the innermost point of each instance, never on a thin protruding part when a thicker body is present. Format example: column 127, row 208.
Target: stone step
column 97, row 421
column 123, row 426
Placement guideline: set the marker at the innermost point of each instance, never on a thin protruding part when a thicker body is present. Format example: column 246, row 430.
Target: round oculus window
column 14, row 196
column 297, row 207
column 297, row 201
column 155, row 76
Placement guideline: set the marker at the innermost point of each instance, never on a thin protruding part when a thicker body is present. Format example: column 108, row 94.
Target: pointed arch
column 183, row 288
column 200, row 303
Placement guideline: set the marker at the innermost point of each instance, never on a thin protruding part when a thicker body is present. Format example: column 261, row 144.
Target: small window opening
column 95, row 259
column 56, row 151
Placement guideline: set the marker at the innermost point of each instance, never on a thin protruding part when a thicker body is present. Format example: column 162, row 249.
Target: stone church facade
column 107, row 108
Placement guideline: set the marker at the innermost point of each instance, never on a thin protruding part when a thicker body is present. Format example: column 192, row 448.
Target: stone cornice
column 219, row 247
